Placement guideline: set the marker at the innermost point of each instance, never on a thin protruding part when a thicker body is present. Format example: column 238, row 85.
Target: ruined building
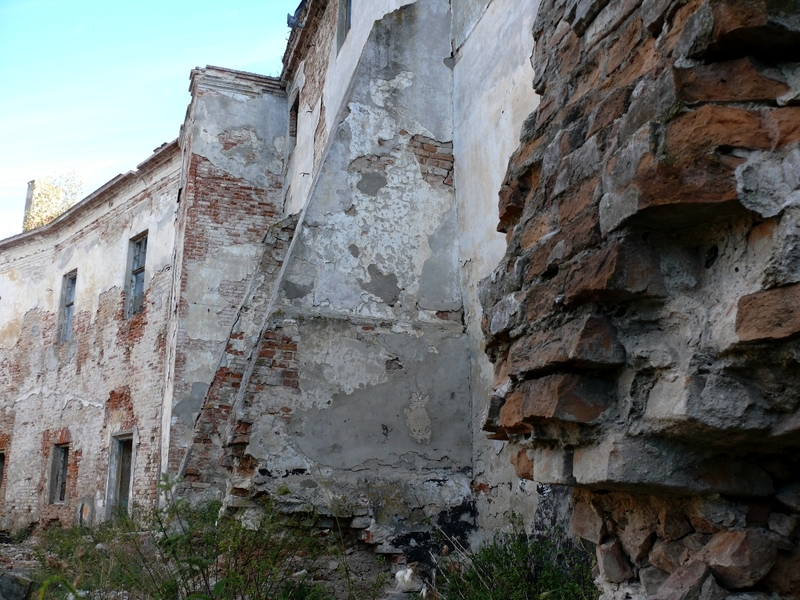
column 306, row 296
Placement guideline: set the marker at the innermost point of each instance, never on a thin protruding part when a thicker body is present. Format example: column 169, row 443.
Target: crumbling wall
column 204, row 471
column 356, row 398
column 108, row 377
column 233, row 146
column 643, row 321
column 318, row 73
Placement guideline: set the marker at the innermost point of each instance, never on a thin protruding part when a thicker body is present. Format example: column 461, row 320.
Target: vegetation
column 512, row 567
column 52, row 196
column 189, row 552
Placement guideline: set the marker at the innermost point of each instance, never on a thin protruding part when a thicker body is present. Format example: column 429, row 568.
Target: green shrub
column 512, row 567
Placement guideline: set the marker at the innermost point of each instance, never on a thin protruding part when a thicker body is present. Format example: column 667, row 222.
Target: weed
column 513, row 567
column 185, row 551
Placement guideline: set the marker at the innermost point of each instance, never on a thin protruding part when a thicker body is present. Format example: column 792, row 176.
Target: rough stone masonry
column 644, row 322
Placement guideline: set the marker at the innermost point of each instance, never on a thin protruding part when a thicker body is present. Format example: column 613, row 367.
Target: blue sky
column 95, row 86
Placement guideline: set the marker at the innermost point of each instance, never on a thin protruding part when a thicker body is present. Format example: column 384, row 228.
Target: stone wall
column 643, row 321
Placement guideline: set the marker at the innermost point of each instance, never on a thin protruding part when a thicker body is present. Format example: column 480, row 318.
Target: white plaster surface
column 493, row 96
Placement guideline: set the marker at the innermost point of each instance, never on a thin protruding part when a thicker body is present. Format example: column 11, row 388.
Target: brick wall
column 232, row 195
column 220, row 211
column 218, row 431
column 109, row 377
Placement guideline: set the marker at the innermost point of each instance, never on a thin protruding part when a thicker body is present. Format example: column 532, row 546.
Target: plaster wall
column 108, row 378
column 466, row 14
column 233, row 158
column 337, row 67
column 492, row 97
column 357, row 398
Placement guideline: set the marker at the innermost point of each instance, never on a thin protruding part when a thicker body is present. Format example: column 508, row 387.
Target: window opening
column 293, row 117
column 58, row 480
column 138, row 259
column 344, row 21
column 68, row 309
column 2, row 465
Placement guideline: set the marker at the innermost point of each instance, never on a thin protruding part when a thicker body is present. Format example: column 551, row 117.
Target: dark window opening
column 293, row 117
column 68, row 308
column 344, row 21
column 58, row 479
column 123, row 475
column 2, row 465
column 138, row 259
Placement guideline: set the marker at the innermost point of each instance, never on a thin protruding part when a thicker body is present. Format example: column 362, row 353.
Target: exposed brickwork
column 219, row 210
column 642, row 322
column 215, row 423
column 435, row 159
column 109, row 377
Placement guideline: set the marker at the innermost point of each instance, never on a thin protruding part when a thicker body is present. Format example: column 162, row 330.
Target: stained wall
column 108, row 378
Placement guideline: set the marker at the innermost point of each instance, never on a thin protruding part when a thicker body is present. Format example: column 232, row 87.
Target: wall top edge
column 300, row 38
column 161, row 155
column 225, row 80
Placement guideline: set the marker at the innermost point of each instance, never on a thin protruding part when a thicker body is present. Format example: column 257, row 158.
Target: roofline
column 160, row 155
column 301, row 37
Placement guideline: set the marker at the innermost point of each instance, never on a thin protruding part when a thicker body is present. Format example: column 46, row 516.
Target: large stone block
column 15, row 587
column 613, row 564
column 587, row 521
column 768, row 316
column 652, row 579
column 784, row 577
column 649, row 465
column 683, row 182
column 719, row 407
column 712, row 83
column 673, row 524
column 571, row 398
column 588, row 342
column 615, row 273
column 553, row 466
column 739, row 559
column 694, row 134
column 685, row 583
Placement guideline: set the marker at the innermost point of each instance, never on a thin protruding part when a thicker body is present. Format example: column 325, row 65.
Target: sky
column 94, row 87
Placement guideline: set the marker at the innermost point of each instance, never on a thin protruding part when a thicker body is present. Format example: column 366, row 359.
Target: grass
column 185, row 551
column 190, row 552
column 513, row 567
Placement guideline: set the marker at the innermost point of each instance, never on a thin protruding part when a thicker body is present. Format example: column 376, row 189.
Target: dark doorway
column 123, row 475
